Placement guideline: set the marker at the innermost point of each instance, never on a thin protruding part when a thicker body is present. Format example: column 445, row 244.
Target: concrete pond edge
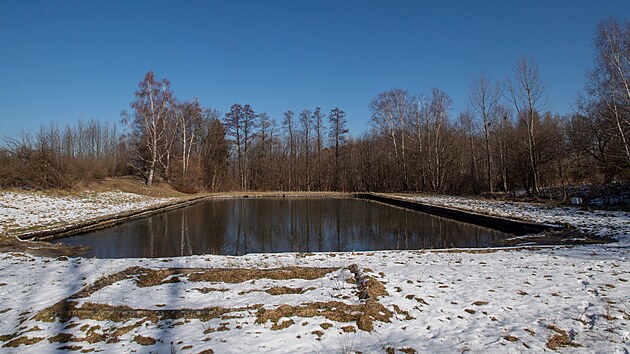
column 512, row 226
column 105, row 221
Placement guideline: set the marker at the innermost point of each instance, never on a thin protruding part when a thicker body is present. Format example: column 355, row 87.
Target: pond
column 240, row 226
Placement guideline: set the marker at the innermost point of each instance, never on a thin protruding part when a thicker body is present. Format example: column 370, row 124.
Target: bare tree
column 151, row 107
column 467, row 123
column 502, row 133
column 189, row 121
column 527, row 93
column 241, row 123
column 438, row 158
column 305, row 121
column 390, row 111
column 215, row 152
column 484, row 98
column 337, row 134
column 318, row 125
column 289, row 127
column 611, row 78
column 234, row 127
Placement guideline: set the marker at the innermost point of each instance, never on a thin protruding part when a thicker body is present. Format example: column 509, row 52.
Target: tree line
column 506, row 140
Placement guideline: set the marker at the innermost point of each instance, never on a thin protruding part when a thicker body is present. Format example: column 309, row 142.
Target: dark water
column 241, row 226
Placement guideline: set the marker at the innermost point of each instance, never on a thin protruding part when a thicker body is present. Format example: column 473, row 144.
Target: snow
column 21, row 210
column 503, row 301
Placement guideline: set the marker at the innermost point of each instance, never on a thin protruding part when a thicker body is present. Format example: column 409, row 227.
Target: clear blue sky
column 67, row 60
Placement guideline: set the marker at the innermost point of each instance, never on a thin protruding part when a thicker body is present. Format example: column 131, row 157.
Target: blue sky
column 62, row 61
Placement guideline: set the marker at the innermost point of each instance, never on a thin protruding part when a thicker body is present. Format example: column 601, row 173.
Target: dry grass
column 326, row 325
column 282, row 325
column 480, row 303
column 318, row 333
column 279, row 290
column 348, row 329
column 144, row 340
column 400, row 311
column 124, row 319
column 207, row 290
column 560, row 339
column 130, row 184
column 22, row 341
column 67, row 309
column 369, row 287
column 151, row 277
column 38, row 248
column 363, row 314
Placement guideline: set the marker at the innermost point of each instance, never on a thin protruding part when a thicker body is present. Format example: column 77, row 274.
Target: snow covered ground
column 28, row 210
column 569, row 299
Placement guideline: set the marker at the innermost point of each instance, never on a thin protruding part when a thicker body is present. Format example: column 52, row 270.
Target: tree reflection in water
column 255, row 225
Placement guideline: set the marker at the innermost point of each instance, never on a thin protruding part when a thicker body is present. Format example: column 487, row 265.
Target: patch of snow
column 25, row 210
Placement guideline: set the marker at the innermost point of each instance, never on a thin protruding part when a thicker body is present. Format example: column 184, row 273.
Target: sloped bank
column 526, row 232
column 516, row 227
column 105, row 221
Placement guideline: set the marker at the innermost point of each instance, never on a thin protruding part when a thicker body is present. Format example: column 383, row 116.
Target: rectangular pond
column 255, row 225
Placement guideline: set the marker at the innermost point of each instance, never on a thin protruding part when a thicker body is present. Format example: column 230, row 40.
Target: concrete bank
column 105, row 221
column 516, row 227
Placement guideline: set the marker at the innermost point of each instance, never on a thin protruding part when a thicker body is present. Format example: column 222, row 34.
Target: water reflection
column 241, row 226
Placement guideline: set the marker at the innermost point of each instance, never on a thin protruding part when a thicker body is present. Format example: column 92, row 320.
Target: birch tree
column 189, row 123
column 153, row 100
column 527, row 94
column 611, row 77
column 389, row 114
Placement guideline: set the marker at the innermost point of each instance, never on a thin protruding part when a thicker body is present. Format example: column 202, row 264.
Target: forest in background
column 506, row 141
